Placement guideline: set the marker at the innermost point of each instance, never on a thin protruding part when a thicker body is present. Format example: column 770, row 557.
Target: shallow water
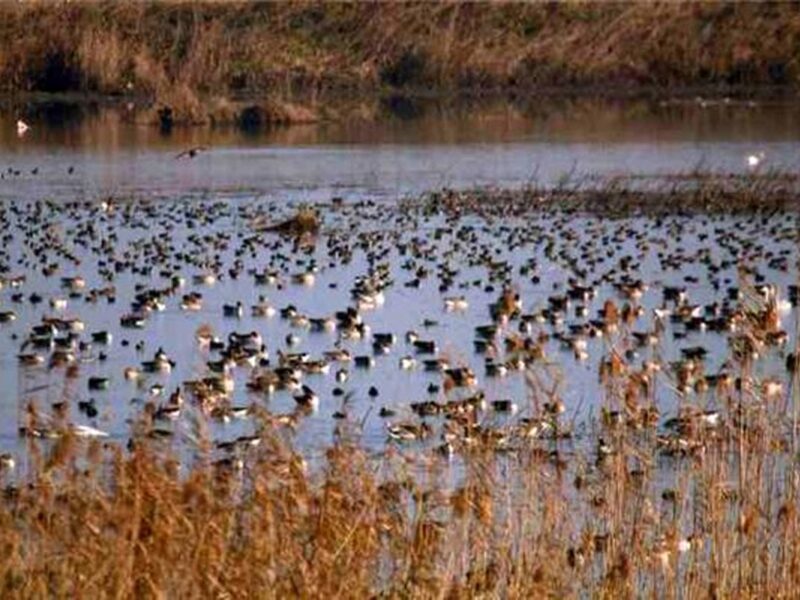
column 407, row 150
column 245, row 174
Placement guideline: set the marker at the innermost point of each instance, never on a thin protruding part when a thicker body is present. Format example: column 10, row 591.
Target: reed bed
column 191, row 56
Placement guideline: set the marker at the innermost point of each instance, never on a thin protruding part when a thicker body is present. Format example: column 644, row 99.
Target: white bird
column 87, row 432
column 22, row 127
column 755, row 159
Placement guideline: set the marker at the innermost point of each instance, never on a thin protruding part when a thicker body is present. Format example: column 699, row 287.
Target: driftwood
column 305, row 221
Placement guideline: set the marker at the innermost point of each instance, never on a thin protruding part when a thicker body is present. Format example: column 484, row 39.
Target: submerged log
column 304, row 221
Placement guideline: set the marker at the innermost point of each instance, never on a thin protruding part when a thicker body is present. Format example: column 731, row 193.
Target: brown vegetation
column 304, row 221
column 177, row 53
column 689, row 193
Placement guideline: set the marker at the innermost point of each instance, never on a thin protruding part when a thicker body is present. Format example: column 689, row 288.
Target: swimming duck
column 405, row 432
column 161, row 363
column 263, row 308
column 192, row 302
column 456, row 304
column 233, row 310
column 307, row 398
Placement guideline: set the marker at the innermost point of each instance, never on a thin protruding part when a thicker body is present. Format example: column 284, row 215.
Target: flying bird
column 191, row 152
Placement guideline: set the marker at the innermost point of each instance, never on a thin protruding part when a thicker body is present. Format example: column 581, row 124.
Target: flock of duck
column 448, row 324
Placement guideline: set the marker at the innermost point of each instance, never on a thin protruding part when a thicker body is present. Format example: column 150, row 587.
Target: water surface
column 87, row 153
column 394, row 151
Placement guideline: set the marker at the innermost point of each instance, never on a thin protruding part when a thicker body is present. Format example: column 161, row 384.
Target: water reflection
column 389, row 147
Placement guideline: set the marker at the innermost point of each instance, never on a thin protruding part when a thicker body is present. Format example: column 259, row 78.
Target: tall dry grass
column 187, row 56
column 233, row 47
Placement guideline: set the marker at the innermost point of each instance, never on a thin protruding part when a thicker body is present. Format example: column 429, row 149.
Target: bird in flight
column 190, row 152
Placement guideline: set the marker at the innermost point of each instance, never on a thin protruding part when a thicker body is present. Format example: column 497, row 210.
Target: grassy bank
column 194, row 58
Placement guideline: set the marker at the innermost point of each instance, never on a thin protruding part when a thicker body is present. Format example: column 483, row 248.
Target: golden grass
column 234, row 47
column 186, row 56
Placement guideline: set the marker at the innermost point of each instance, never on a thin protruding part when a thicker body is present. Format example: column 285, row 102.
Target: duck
column 493, row 368
column 307, row 398
column 357, row 331
column 265, row 382
column 535, row 428
column 266, row 277
column 73, row 284
column 341, row 355
column 58, row 303
column 406, row 432
column 224, row 365
column 456, row 304
column 207, row 279
column 306, row 278
column 190, row 152
column 102, row 337
column 292, row 359
column 364, row 361
column 7, row 316
column 88, row 407
column 438, row 365
column 300, row 321
column 384, row 338
column 407, row 363
column 192, row 302
column 7, row 462
column 85, row 431
column 233, row 310
column 98, row 383
column 460, row 377
column 268, row 381
column 168, row 412
column 322, row 324
column 505, row 406
column 263, row 309
column 316, row 367
column 161, row 363
column 30, row 359
column 424, row 346
column 370, row 300
column 133, row 321
column 251, row 339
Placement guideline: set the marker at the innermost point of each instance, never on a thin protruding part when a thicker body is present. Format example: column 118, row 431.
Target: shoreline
column 253, row 110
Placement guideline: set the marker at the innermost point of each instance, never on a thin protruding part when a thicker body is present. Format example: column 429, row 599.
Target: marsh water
column 397, row 149
column 90, row 153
